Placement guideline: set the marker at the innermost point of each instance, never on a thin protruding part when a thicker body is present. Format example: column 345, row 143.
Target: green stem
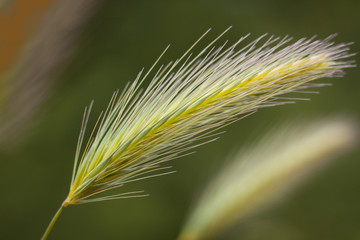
column 51, row 224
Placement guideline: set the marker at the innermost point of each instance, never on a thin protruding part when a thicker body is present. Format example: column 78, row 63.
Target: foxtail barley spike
column 141, row 130
column 189, row 99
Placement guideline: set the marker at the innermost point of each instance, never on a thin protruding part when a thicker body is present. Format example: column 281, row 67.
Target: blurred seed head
column 260, row 174
column 27, row 83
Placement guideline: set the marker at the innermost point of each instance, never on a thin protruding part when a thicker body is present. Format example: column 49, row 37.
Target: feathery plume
column 188, row 100
column 258, row 175
column 139, row 132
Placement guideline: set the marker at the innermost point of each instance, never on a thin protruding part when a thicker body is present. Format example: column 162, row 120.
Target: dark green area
column 125, row 36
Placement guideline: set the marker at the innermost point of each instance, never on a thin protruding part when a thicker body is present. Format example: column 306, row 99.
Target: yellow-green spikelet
column 139, row 132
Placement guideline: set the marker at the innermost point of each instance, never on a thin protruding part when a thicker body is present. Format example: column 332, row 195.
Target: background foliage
column 127, row 35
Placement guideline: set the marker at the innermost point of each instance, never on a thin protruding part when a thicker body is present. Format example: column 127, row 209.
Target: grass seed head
column 258, row 175
column 189, row 99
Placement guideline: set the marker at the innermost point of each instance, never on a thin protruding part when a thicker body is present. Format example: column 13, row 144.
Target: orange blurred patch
column 17, row 23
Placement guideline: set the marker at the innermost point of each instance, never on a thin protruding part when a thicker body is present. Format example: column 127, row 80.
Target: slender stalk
column 53, row 220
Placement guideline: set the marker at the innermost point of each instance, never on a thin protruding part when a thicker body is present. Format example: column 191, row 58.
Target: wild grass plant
column 185, row 104
column 258, row 175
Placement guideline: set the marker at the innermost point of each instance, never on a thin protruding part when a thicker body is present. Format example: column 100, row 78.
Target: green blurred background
column 119, row 40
